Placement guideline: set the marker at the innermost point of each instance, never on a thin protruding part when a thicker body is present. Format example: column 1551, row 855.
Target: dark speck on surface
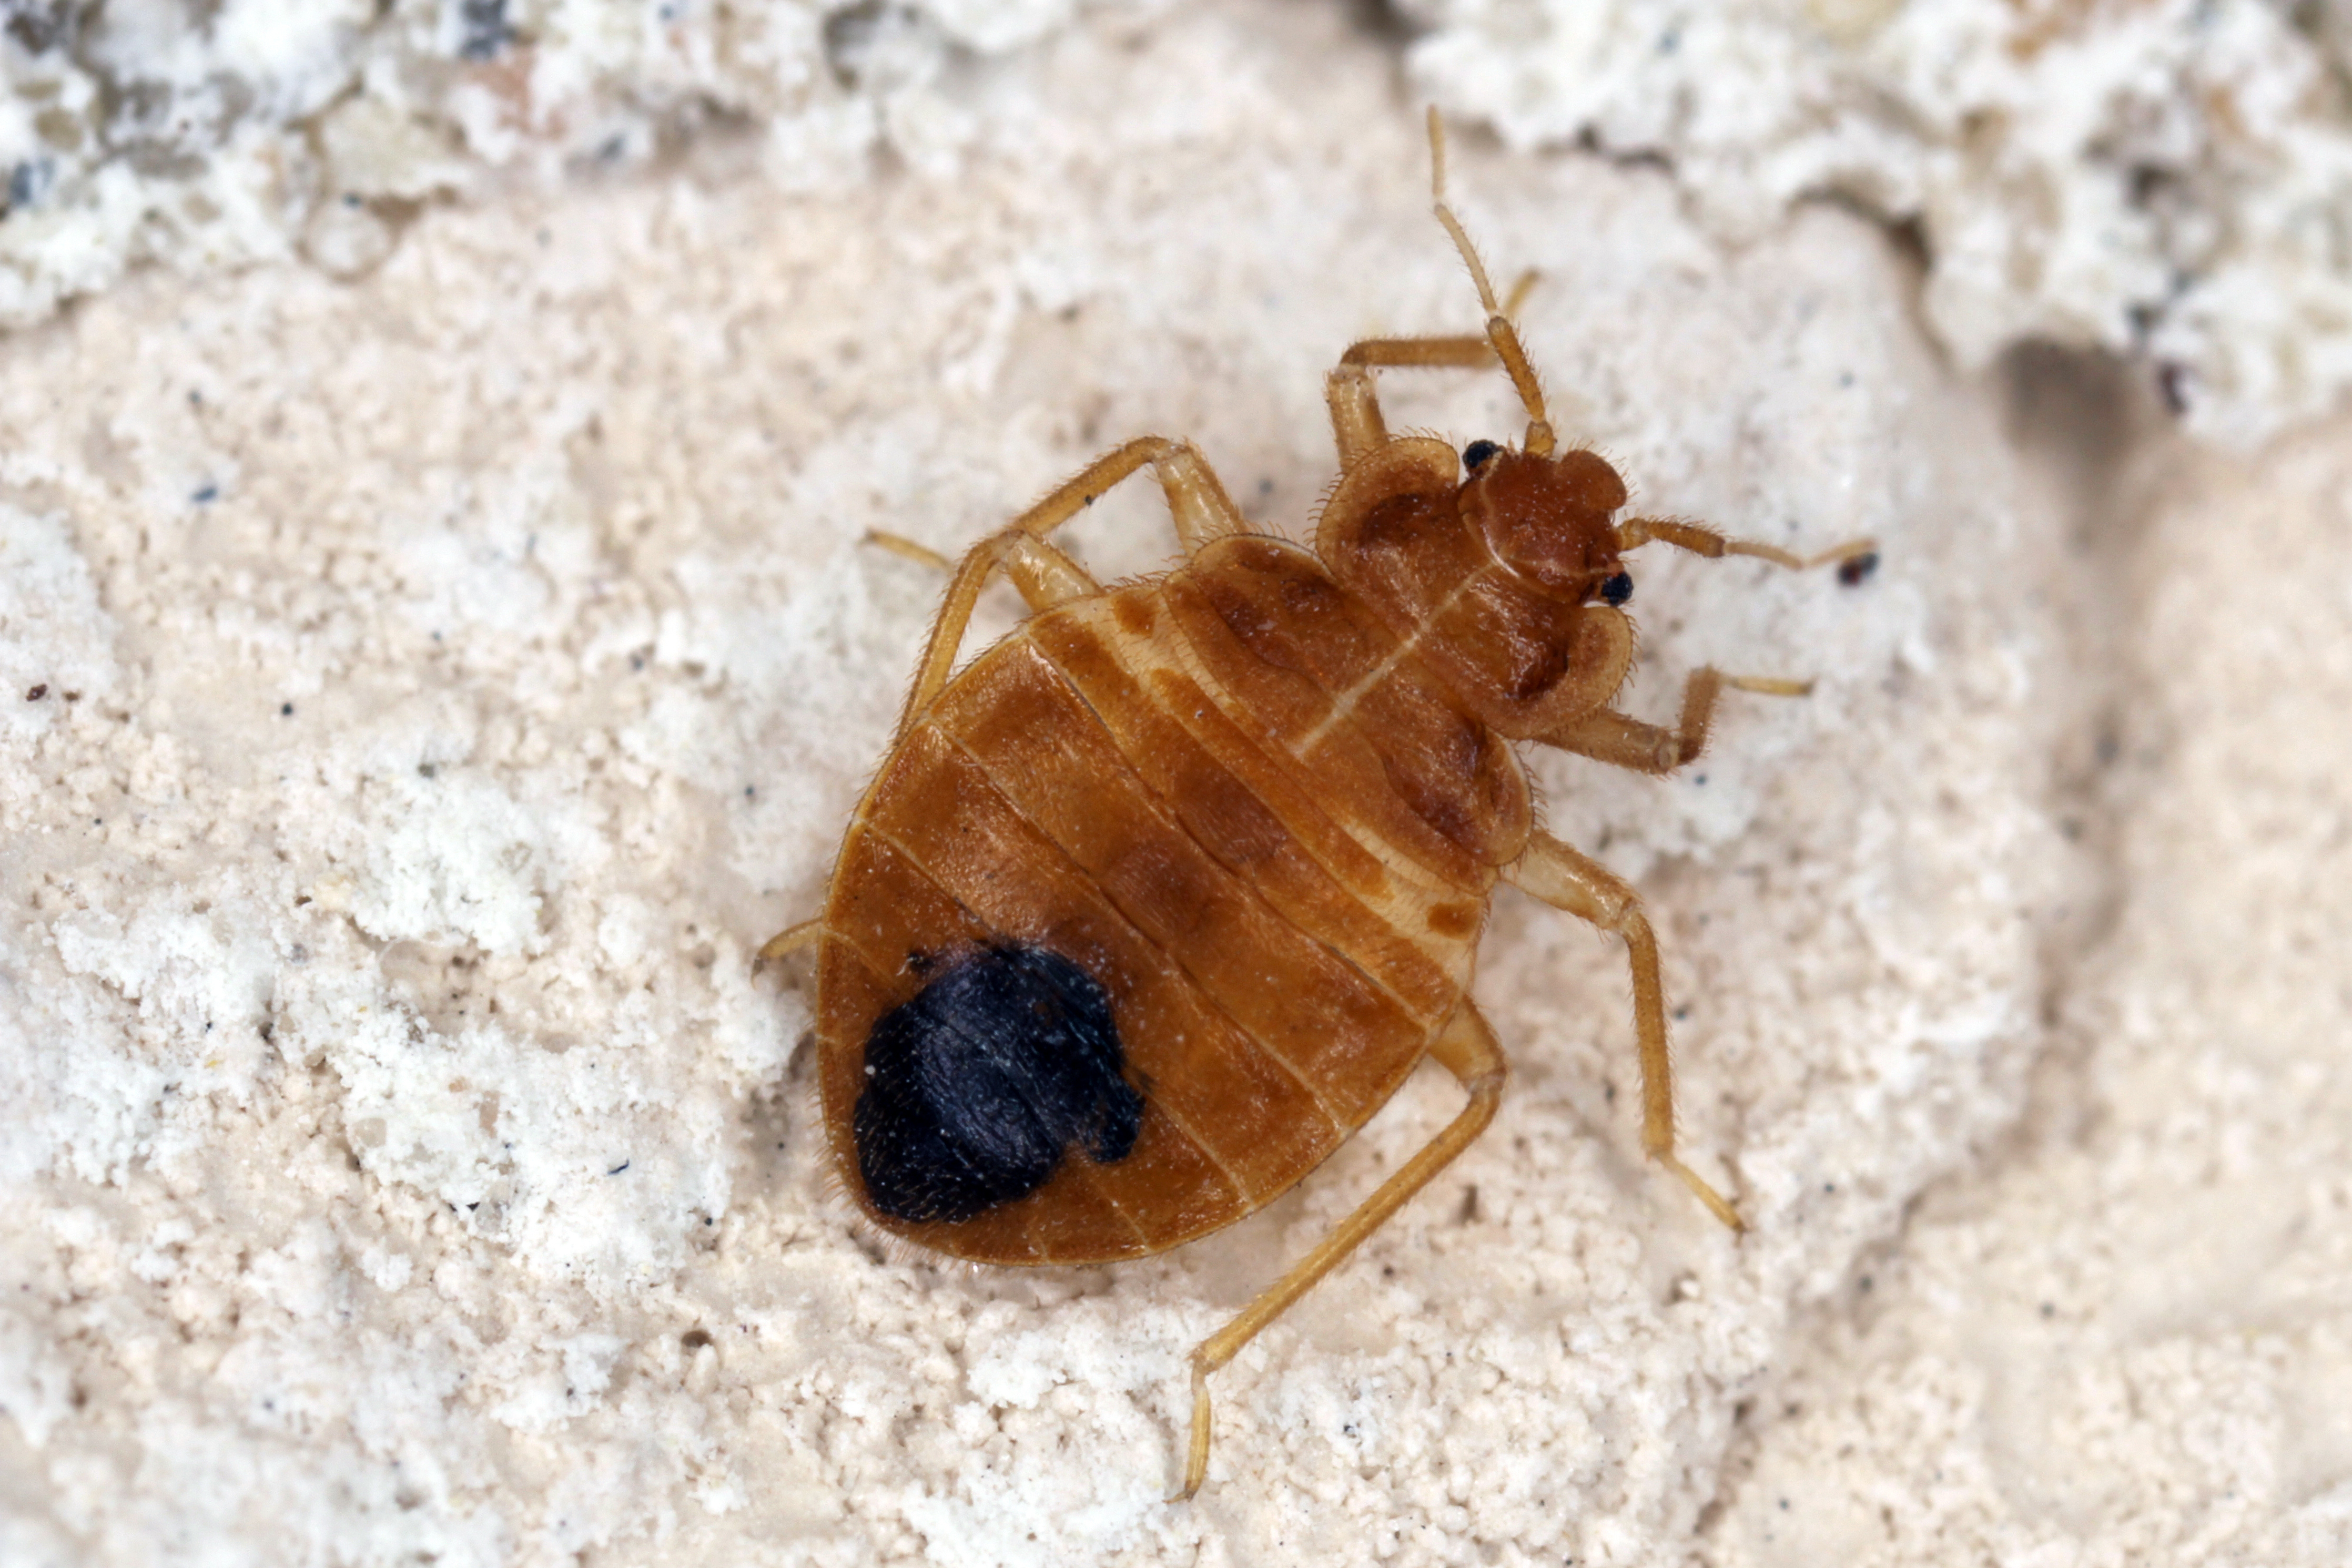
column 483, row 28
column 30, row 181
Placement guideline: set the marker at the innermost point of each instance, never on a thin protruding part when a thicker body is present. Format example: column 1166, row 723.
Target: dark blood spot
column 1618, row 589
column 1855, row 570
column 1474, row 455
column 977, row 1088
column 37, row 693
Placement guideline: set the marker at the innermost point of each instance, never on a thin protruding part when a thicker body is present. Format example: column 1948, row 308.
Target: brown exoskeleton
column 1158, row 901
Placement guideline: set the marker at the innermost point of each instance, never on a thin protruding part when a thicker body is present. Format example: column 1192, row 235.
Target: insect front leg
column 1607, row 735
column 1465, row 1048
column 1356, row 421
column 1567, row 879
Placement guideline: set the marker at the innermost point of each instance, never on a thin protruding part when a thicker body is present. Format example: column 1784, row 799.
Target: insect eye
column 1618, row 589
column 1474, row 455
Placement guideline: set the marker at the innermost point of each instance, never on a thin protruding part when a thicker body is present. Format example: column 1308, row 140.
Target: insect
column 1165, row 895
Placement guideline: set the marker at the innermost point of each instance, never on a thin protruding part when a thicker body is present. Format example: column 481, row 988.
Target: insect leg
column 1355, row 420
column 1637, row 532
column 1356, row 423
column 1607, row 735
column 789, row 940
column 1467, row 1049
column 1196, row 501
column 1500, row 332
column 1045, row 576
column 1567, row 880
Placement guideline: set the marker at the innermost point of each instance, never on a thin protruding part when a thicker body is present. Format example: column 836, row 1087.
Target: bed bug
column 1159, row 899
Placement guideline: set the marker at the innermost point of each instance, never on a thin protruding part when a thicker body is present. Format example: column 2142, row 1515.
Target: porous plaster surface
column 452, row 675
column 2131, row 1341
column 2165, row 178
column 250, row 130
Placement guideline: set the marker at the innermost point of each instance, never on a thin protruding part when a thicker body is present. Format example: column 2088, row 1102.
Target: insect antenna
column 1499, row 330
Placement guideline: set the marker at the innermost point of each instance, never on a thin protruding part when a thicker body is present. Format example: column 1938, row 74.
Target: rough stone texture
column 422, row 692
column 2166, row 179
column 2130, row 1342
column 237, row 131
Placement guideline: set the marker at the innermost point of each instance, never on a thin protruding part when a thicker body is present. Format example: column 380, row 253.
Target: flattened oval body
column 1158, row 901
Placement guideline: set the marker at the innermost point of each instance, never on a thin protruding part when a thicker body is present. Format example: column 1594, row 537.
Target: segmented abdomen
column 1242, row 811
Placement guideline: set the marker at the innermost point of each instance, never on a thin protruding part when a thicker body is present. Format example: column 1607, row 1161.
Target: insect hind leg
column 1465, row 1048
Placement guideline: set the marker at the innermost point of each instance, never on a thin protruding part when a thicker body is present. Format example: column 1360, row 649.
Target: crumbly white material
column 249, row 130
column 423, row 692
column 2169, row 179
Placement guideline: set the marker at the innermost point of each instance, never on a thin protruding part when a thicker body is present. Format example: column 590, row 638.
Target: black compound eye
column 1474, row 455
column 1618, row 589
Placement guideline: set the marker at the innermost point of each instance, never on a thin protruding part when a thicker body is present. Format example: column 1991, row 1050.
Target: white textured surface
column 2133, row 1342
column 253, row 130
column 401, row 1159
column 2167, row 178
